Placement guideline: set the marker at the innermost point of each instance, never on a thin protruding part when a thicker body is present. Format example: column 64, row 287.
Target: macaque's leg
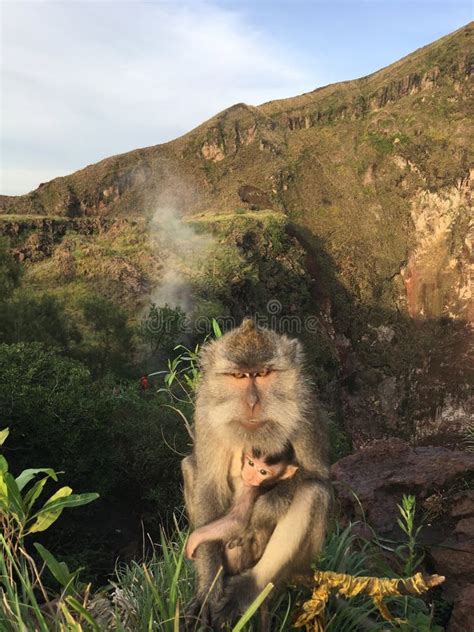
column 298, row 536
column 292, row 547
column 209, row 558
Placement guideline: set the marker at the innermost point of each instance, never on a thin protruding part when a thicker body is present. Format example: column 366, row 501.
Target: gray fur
column 288, row 522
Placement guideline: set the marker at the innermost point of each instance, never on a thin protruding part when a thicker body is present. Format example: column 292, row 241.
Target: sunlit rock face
column 439, row 270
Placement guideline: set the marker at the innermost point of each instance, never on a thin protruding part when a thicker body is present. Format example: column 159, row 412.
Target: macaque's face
column 251, row 390
column 256, row 471
column 253, row 383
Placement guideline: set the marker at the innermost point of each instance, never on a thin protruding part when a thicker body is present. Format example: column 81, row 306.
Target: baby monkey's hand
column 191, row 545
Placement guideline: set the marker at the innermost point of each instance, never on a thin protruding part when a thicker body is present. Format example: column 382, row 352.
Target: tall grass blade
column 252, row 609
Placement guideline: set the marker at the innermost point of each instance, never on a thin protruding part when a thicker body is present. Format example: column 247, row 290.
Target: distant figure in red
column 144, row 383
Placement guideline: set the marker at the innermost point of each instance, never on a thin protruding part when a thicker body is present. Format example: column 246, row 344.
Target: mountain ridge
column 353, row 98
column 384, row 161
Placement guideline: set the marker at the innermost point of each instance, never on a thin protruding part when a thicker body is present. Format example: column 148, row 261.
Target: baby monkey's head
column 262, row 470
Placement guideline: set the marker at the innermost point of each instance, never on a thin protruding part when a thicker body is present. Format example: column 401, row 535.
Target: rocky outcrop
column 16, row 226
column 255, row 197
column 373, row 480
column 381, row 473
column 359, row 106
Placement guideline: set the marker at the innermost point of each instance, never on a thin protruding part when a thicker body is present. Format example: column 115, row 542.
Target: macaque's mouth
column 252, row 424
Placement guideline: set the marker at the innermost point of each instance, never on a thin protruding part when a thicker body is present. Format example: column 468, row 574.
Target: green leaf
column 59, row 570
column 79, row 608
column 27, row 475
column 3, row 465
column 14, row 496
column 52, row 509
column 3, row 491
column 34, row 492
column 3, row 435
column 216, row 328
column 50, row 512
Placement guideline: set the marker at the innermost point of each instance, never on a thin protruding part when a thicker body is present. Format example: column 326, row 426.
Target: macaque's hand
column 191, row 545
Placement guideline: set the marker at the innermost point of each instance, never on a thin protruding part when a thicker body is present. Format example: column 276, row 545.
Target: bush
column 111, row 437
column 10, row 271
column 25, row 600
column 30, row 319
column 161, row 328
column 108, row 346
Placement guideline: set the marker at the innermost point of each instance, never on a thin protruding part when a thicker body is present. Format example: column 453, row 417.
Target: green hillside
column 369, row 179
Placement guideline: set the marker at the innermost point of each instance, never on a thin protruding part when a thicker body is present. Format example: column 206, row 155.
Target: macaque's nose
column 252, row 397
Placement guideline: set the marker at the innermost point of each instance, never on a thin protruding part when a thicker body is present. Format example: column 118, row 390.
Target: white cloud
column 84, row 80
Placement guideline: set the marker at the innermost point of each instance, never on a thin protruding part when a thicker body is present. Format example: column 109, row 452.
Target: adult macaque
column 254, row 391
column 258, row 472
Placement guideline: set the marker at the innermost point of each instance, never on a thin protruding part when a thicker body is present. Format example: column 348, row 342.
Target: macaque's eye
column 262, row 373
column 239, row 376
column 250, row 462
column 263, row 472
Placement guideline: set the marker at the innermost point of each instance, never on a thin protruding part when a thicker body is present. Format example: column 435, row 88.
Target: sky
column 83, row 80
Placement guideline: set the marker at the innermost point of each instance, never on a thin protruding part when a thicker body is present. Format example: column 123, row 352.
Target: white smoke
column 181, row 250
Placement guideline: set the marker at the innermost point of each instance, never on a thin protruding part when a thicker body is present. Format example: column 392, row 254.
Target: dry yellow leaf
column 312, row 615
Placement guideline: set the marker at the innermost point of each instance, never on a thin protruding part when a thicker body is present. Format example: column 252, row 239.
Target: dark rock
column 453, row 555
column 381, row 473
column 254, row 196
column 37, row 246
column 462, row 617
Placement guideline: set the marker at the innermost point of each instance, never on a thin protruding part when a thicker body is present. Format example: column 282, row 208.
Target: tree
column 161, row 327
column 109, row 345
column 10, row 271
column 31, row 319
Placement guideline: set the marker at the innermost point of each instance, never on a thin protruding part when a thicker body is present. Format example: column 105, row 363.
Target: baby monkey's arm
column 227, row 527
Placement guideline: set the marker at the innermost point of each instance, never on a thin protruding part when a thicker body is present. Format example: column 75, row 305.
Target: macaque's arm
column 227, row 527
column 223, row 529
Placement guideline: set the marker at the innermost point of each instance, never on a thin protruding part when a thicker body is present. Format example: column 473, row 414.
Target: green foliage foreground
column 151, row 595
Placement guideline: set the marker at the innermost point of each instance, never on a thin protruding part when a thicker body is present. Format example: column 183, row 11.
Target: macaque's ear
column 289, row 471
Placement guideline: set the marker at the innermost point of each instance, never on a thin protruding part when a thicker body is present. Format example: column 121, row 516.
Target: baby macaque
column 258, row 472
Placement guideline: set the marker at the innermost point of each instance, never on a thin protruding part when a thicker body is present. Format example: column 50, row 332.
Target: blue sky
column 82, row 80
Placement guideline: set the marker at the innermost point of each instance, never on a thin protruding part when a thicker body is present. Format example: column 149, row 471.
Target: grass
column 212, row 217
column 152, row 594
column 22, row 217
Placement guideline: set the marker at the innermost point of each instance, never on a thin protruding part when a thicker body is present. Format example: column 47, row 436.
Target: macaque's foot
column 197, row 615
column 238, row 541
column 239, row 593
